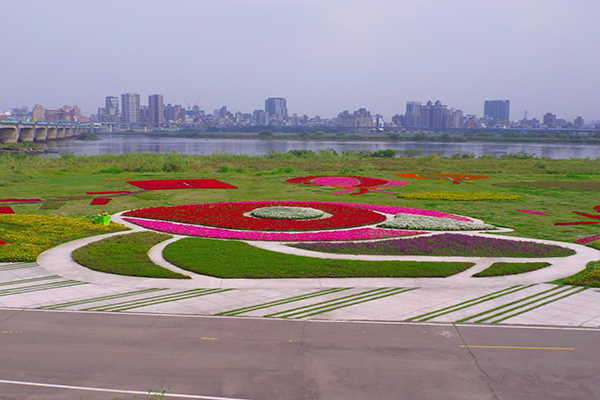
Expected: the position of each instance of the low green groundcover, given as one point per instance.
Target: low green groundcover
(125, 255)
(231, 259)
(508, 268)
(423, 222)
(590, 276)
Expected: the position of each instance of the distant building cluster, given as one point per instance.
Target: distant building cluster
(430, 116)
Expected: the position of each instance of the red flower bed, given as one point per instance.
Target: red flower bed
(2, 242)
(110, 192)
(20, 200)
(100, 201)
(6, 210)
(597, 208)
(168, 184)
(231, 215)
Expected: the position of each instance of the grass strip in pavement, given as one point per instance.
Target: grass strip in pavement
(467, 303)
(539, 305)
(36, 288)
(332, 302)
(512, 303)
(96, 299)
(149, 301)
(233, 259)
(325, 309)
(18, 265)
(509, 268)
(261, 306)
(125, 255)
(41, 278)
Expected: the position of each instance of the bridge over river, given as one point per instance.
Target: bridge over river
(13, 131)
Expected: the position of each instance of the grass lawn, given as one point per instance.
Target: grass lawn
(507, 268)
(590, 276)
(125, 255)
(231, 259)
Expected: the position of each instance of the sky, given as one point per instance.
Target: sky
(323, 56)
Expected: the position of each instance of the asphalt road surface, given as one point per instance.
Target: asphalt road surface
(90, 356)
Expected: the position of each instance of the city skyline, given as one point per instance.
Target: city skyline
(324, 56)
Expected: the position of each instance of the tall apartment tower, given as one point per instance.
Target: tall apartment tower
(276, 108)
(497, 110)
(156, 109)
(130, 107)
(412, 118)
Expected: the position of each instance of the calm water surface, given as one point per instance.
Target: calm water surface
(120, 144)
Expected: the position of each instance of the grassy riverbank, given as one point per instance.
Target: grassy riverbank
(262, 178)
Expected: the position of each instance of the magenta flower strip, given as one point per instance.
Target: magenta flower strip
(406, 210)
(588, 239)
(219, 233)
(533, 212)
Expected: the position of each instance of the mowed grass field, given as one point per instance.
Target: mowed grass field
(263, 178)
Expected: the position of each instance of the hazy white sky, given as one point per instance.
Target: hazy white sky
(324, 56)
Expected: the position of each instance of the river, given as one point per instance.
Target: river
(120, 144)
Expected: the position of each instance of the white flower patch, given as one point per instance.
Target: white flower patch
(279, 212)
(422, 222)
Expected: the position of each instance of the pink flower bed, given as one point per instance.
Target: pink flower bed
(99, 201)
(533, 212)
(219, 233)
(597, 208)
(20, 200)
(588, 239)
(406, 210)
(6, 210)
(349, 183)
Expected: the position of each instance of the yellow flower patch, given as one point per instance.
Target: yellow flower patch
(29, 235)
(459, 196)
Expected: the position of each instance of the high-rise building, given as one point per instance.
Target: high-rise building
(578, 122)
(497, 110)
(549, 120)
(112, 108)
(276, 109)
(130, 107)
(412, 118)
(38, 113)
(258, 117)
(156, 109)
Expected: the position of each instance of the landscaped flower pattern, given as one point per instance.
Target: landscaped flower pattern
(20, 200)
(407, 210)
(445, 245)
(2, 242)
(231, 215)
(422, 222)
(100, 201)
(459, 196)
(6, 210)
(588, 239)
(110, 192)
(454, 178)
(219, 233)
(533, 212)
(597, 208)
(169, 184)
(279, 212)
(349, 183)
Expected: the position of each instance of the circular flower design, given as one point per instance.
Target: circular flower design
(282, 212)
(231, 215)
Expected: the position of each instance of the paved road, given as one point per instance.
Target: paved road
(265, 359)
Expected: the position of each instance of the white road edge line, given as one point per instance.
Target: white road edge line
(136, 392)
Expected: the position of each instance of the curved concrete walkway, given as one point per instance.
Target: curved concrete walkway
(59, 261)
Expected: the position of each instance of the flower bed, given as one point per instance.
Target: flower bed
(2, 242)
(454, 178)
(408, 210)
(29, 235)
(278, 212)
(569, 185)
(445, 245)
(170, 184)
(421, 222)
(459, 196)
(588, 239)
(6, 210)
(110, 192)
(100, 201)
(218, 233)
(20, 200)
(231, 215)
(597, 208)
(350, 183)
(533, 212)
